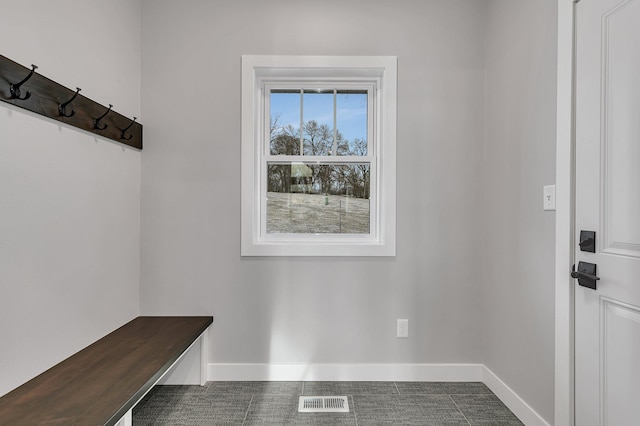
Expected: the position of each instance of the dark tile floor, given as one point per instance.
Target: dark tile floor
(370, 403)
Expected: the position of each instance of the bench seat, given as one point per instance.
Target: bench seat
(100, 384)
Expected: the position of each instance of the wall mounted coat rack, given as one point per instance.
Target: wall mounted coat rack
(25, 88)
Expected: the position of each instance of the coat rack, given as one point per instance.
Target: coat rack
(25, 88)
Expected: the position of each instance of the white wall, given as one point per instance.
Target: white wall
(519, 159)
(311, 310)
(69, 201)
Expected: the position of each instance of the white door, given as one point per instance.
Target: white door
(607, 320)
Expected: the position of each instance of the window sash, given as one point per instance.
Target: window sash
(304, 86)
(374, 225)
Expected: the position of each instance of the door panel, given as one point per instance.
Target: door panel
(620, 325)
(621, 129)
(607, 320)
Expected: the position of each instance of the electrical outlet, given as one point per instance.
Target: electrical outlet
(403, 328)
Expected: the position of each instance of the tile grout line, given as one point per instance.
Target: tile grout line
(458, 408)
(353, 403)
(247, 413)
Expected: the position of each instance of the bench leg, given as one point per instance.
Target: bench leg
(126, 420)
(204, 356)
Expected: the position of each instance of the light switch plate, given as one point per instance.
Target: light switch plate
(549, 197)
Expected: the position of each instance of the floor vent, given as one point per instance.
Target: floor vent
(323, 404)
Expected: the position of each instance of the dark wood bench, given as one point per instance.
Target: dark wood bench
(102, 383)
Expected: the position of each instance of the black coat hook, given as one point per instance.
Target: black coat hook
(122, 136)
(97, 120)
(15, 88)
(62, 107)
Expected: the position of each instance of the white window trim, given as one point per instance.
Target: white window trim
(255, 68)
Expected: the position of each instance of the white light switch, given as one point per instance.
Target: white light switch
(549, 194)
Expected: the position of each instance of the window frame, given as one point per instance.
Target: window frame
(267, 158)
(379, 74)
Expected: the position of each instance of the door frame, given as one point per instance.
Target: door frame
(565, 216)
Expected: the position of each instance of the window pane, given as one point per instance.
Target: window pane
(351, 121)
(318, 198)
(285, 122)
(318, 122)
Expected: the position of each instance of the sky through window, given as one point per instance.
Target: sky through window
(351, 111)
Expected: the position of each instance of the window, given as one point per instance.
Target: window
(318, 156)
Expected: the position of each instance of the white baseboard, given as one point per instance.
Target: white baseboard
(380, 372)
(347, 372)
(517, 405)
